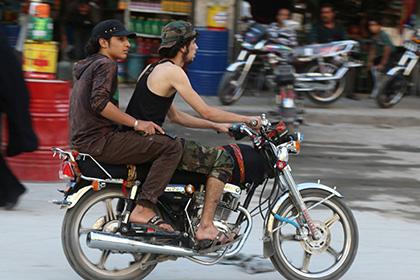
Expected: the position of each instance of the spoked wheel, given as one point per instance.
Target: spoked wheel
(96, 212)
(327, 257)
(328, 96)
(230, 90)
(392, 90)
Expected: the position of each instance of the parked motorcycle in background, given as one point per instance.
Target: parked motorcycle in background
(322, 78)
(395, 84)
(250, 64)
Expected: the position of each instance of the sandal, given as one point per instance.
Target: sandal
(208, 245)
(153, 223)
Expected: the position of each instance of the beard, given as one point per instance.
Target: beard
(186, 59)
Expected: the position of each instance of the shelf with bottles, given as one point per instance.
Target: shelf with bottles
(148, 27)
(169, 7)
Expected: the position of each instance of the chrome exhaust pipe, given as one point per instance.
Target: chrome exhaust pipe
(113, 242)
(107, 241)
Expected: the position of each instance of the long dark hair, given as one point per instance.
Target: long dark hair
(93, 46)
(172, 51)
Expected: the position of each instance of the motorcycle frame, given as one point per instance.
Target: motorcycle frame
(305, 82)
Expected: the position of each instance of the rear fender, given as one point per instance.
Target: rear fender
(268, 230)
(72, 200)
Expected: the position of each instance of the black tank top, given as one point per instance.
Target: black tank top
(147, 106)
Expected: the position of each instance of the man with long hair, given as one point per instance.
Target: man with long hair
(152, 100)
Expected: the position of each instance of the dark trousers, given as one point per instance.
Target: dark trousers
(132, 148)
(10, 187)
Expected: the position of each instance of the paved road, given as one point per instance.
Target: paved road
(375, 166)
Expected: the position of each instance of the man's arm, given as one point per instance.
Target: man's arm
(371, 57)
(385, 57)
(184, 119)
(113, 113)
(179, 80)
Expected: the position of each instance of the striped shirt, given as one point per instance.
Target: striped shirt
(283, 36)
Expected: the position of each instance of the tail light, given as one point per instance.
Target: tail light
(66, 171)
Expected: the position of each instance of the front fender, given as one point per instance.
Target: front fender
(235, 65)
(395, 70)
(72, 200)
(268, 230)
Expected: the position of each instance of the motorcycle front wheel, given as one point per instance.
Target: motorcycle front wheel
(96, 211)
(230, 90)
(391, 90)
(326, 97)
(328, 257)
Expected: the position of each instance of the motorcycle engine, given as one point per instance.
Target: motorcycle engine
(228, 203)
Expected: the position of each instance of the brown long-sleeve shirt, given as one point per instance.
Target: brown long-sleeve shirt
(96, 85)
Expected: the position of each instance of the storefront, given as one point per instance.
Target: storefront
(146, 17)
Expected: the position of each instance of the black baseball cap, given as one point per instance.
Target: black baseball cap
(111, 27)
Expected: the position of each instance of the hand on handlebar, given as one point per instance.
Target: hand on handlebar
(254, 123)
(223, 128)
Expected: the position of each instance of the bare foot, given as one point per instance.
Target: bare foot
(210, 233)
(142, 215)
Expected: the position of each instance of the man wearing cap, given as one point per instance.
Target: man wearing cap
(95, 120)
(152, 100)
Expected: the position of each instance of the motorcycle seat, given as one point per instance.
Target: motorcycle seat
(89, 168)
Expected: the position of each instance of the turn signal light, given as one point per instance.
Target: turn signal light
(95, 185)
(189, 189)
(297, 145)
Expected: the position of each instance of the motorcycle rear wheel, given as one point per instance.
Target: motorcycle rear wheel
(392, 90)
(229, 90)
(96, 211)
(330, 96)
(326, 258)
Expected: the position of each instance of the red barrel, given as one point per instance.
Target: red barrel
(49, 110)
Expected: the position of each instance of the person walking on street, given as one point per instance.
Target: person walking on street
(95, 120)
(152, 100)
(14, 104)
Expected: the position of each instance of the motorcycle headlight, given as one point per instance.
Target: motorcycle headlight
(283, 154)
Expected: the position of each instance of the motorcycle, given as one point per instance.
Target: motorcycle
(324, 78)
(324, 67)
(309, 232)
(395, 83)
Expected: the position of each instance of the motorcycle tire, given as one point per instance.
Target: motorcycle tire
(328, 257)
(331, 96)
(96, 211)
(392, 90)
(229, 91)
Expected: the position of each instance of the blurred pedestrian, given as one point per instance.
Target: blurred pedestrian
(80, 16)
(14, 102)
(381, 53)
(329, 30)
(279, 31)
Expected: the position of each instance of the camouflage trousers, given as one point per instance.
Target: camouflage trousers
(207, 160)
